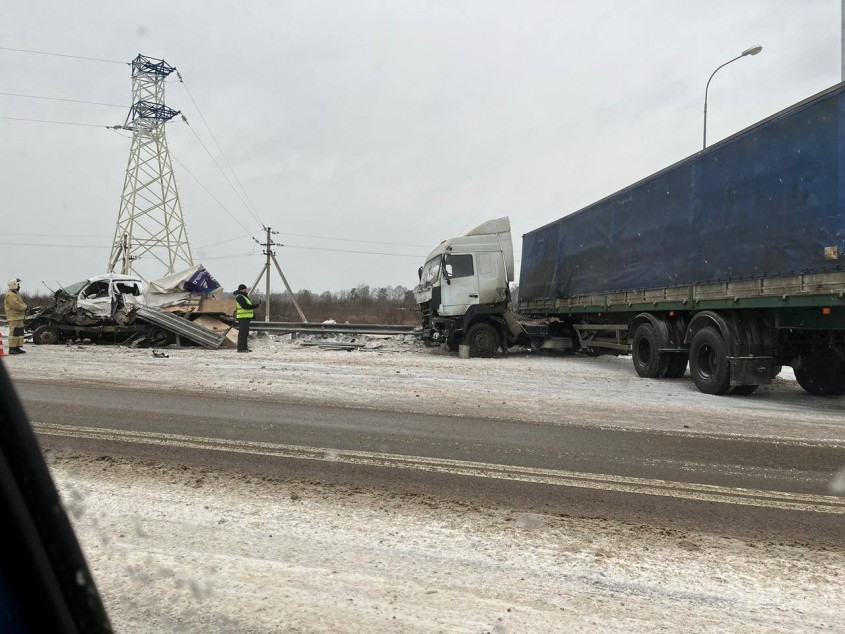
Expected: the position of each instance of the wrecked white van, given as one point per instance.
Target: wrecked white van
(98, 307)
(122, 309)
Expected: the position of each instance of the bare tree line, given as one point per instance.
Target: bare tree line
(359, 305)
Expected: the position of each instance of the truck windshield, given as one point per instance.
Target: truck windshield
(430, 272)
(73, 289)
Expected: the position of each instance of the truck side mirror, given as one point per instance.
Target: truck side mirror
(419, 273)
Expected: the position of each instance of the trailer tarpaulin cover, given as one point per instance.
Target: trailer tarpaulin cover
(193, 280)
(763, 203)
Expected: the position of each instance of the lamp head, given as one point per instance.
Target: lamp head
(752, 51)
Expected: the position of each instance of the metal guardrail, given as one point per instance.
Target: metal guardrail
(339, 329)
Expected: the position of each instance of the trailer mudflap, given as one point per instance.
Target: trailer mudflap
(751, 370)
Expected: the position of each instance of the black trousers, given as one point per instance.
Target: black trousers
(243, 333)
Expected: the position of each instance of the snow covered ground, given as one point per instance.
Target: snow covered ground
(176, 549)
(202, 551)
(398, 374)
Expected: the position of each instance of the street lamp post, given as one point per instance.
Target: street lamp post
(749, 51)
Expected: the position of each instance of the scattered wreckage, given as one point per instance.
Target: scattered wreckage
(113, 308)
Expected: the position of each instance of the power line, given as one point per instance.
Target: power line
(225, 158)
(398, 244)
(293, 246)
(231, 257)
(119, 133)
(398, 255)
(220, 169)
(214, 244)
(93, 103)
(52, 246)
(219, 257)
(226, 209)
(88, 125)
(182, 165)
(90, 59)
(469, 223)
(308, 235)
(53, 235)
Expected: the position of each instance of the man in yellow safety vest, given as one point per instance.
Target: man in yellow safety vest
(244, 314)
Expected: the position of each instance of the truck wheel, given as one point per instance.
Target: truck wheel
(743, 390)
(708, 361)
(483, 341)
(821, 374)
(677, 365)
(45, 335)
(648, 361)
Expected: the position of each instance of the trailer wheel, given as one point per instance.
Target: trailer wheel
(45, 335)
(708, 362)
(483, 341)
(649, 362)
(821, 374)
(677, 365)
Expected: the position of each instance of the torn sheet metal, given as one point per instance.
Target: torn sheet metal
(181, 326)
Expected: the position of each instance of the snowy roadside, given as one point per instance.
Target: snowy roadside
(179, 549)
(396, 374)
(174, 549)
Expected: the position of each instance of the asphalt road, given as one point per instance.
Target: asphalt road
(751, 488)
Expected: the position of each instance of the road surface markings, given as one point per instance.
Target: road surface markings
(606, 482)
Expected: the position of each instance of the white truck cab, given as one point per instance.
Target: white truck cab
(464, 278)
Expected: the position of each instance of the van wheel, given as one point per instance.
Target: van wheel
(483, 341)
(159, 337)
(821, 374)
(708, 361)
(45, 335)
(648, 361)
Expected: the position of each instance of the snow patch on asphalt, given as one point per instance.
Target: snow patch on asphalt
(178, 549)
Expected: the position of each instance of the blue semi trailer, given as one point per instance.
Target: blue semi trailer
(729, 261)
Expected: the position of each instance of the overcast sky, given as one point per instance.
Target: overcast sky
(381, 127)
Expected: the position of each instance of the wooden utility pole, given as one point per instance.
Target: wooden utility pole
(265, 272)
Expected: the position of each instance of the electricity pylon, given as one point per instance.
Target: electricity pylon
(150, 219)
